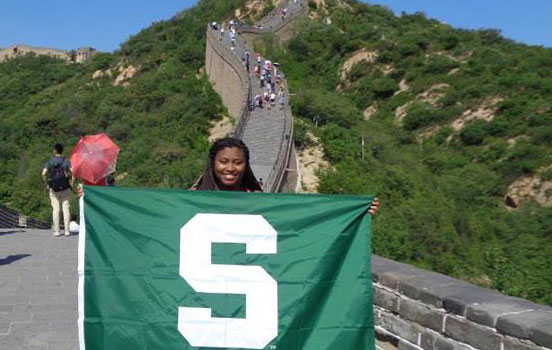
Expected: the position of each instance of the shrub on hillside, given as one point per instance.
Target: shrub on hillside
(299, 133)
(384, 87)
(101, 61)
(327, 108)
(443, 134)
(388, 56)
(498, 126)
(438, 64)
(474, 134)
(523, 158)
(420, 114)
(542, 134)
(448, 41)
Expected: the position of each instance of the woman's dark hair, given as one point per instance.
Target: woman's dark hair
(208, 180)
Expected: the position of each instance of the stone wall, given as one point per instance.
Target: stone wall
(291, 178)
(284, 30)
(285, 173)
(227, 74)
(10, 218)
(78, 55)
(418, 309)
(231, 81)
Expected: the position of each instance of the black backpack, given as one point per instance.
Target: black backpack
(58, 177)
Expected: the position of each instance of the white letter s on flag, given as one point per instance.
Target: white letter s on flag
(260, 325)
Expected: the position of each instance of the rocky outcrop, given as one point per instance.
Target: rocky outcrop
(311, 162)
(125, 74)
(530, 188)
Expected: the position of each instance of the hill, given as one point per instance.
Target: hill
(457, 130)
(450, 128)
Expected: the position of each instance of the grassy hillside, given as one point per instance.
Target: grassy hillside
(450, 118)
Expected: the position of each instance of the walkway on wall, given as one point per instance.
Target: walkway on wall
(267, 133)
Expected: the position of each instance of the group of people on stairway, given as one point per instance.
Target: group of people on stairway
(270, 79)
(232, 31)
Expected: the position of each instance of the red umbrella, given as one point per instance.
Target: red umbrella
(94, 157)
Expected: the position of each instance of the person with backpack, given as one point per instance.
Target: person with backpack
(58, 178)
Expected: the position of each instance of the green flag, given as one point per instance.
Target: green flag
(175, 270)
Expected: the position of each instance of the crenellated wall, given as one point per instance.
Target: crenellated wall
(418, 309)
(77, 56)
(10, 218)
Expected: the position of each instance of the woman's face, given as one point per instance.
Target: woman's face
(229, 167)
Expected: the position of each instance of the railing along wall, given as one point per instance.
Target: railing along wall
(277, 174)
(10, 218)
(295, 9)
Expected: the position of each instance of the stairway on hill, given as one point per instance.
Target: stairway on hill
(266, 131)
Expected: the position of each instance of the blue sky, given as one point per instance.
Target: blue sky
(105, 24)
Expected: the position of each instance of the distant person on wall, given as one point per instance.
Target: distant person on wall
(258, 101)
(273, 100)
(266, 97)
(281, 98)
(57, 177)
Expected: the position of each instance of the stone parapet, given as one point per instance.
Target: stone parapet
(78, 55)
(10, 218)
(273, 23)
(229, 78)
(419, 309)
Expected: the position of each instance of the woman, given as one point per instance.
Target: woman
(228, 169)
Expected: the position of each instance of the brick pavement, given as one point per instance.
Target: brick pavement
(38, 290)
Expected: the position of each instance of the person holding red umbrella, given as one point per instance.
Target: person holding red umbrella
(94, 160)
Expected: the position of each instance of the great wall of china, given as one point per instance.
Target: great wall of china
(78, 55)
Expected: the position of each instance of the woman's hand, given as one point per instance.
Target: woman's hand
(80, 191)
(374, 207)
